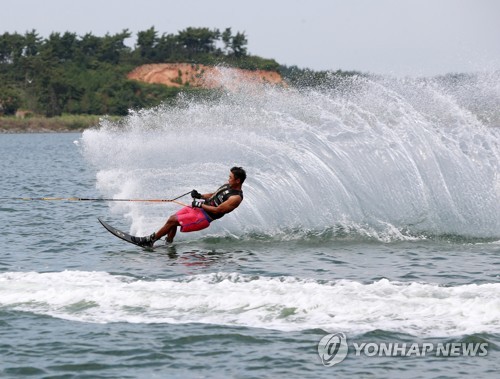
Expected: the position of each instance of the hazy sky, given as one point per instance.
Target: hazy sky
(398, 37)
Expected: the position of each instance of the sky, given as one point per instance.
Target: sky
(390, 37)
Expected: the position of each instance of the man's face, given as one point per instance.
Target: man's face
(232, 181)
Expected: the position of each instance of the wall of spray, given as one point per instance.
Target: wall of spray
(380, 157)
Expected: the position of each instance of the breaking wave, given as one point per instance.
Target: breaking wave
(280, 303)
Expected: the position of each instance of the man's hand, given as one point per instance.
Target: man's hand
(195, 194)
(197, 203)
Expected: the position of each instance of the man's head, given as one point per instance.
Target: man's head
(237, 173)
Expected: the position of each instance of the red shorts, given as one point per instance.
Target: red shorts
(193, 219)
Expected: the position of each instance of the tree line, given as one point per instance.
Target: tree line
(67, 73)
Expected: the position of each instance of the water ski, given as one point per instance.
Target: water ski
(120, 234)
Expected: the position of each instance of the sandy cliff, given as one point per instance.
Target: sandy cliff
(194, 75)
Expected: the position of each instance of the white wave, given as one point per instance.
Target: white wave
(281, 303)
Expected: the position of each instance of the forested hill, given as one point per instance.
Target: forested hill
(67, 73)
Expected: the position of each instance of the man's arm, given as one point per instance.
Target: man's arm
(227, 206)
(207, 196)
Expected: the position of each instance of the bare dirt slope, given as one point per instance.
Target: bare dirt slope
(194, 75)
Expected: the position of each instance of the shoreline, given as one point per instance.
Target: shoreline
(58, 124)
(40, 131)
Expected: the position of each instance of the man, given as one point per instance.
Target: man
(203, 210)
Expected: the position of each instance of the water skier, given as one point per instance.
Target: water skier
(203, 210)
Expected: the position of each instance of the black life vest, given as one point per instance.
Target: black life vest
(222, 194)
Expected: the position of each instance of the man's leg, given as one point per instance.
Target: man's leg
(171, 234)
(169, 229)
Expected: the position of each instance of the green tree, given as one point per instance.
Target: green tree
(10, 101)
(89, 47)
(4, 49)
(198, 41)
(59, 48)
(113, 47)
(11, 48)
(227, 37)
(146, 44)
(32, 43)
(238, 43)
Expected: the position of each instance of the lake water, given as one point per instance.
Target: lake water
(371, 211)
